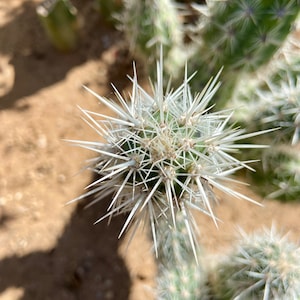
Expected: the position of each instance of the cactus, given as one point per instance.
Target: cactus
(274, 103)
(272, 100)
(180, 277)
(241, 36)
(147, 25)
(163, 153)
(262, 266)
(183, 281)
(59, 19)
(278, 175)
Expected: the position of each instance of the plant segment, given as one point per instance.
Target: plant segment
(263, 266)
(241, 36)
(179, 276)
(164, 153)
(274, 102)
(147, 25)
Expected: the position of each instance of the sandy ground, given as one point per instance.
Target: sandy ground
(50, 250)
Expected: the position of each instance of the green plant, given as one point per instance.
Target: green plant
(109, 9)
(277, 176)
(59, 19)
(262, 266)
(272, 100)
(164, 153)
(239, 35)
(179, 276)
(147, 25)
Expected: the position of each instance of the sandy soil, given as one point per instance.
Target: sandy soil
(50, 250)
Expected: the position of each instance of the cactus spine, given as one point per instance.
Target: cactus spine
(278, 175)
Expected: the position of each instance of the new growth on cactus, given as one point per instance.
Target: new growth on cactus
(164, 153)
(262, 266)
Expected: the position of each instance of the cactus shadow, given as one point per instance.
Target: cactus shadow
(36, 63)
(84, 264)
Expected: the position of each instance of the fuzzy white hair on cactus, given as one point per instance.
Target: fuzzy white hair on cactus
(164, 153)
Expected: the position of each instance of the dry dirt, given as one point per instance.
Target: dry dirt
(50, 250)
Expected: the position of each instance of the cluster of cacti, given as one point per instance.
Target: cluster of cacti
(240, 37)
(159, 163)
(166, 152)
(262, 266)
(272, 100)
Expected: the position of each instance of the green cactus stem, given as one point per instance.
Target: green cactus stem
(180, 277)
(262, 266)
(59, 19)
(164, 152)
(241, 36)
(149, 24)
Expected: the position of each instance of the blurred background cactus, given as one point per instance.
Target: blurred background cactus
(240, 36)
(261, 266)
(149, 24)
(60, 21)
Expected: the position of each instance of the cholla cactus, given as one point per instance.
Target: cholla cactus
(241, 36)
(183, 281)
(278, 175)
(272, 100)
(179, 276)
(163, 153)
(238, 35)
(275, 103)
(262, 266)
(147, 25)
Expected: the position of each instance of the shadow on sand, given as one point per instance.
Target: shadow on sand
(37, 64)
(84, 264)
